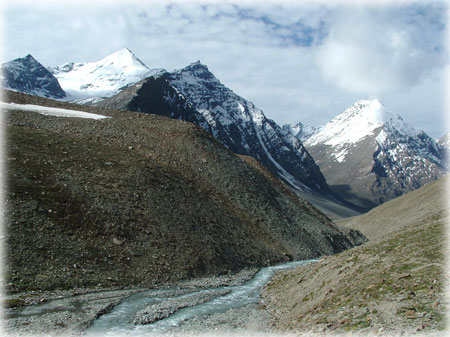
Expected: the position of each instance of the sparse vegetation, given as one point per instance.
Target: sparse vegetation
(393, 284)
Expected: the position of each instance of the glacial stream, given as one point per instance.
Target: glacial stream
(120, 321)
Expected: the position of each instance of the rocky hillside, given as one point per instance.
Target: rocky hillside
(394, 284)
(139, 199)
(414, 207)
(370, 155)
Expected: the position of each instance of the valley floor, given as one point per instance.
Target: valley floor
(391, 286)
(71, 312)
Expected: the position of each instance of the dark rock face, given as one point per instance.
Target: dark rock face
(155, 95)
(29, 76)
(141, 199)
(193, 94)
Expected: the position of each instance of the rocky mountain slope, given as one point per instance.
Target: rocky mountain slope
(369, 155)
(139, 199)
(194, 94)
(29, 76)
(92, 81)
(394, 284)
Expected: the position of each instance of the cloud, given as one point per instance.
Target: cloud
(296, 60)
(377, 49)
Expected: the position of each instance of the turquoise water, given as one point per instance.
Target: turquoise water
(118, 322)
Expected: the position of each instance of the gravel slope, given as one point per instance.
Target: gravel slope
(394, 284)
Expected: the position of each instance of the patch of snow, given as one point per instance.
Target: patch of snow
(43, 110)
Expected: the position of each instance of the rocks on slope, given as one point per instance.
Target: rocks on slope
(139, 199)
(29, 76)
(193, 94)
(369, 155)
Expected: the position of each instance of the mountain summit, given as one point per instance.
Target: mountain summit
(29, 76)
(364, 118)
(369, 155)
(102, 78)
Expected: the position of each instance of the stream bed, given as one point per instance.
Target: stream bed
(124, 318)
(198, 305)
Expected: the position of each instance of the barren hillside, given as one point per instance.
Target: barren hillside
(393, 284)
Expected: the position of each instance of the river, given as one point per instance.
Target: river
(199, 305)
(179, 307)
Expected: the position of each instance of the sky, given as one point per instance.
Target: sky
(302, 61)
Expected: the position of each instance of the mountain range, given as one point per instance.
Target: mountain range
(195, 95)
(361, 158)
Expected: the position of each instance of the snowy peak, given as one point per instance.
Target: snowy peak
(196, 72)
(372, 110)
(364, 118)
(195, 95)
(444, 141)
(244, 128)
(123, 59)
(103, 78)
(374, 155)
(29, 76)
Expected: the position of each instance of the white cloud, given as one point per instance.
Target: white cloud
(370, 51)
(295, 60)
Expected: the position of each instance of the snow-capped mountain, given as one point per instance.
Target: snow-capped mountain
(103, 78)
(445, 141)
(369, 154)
(29, 76)
(301, 131)
(194, 94)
